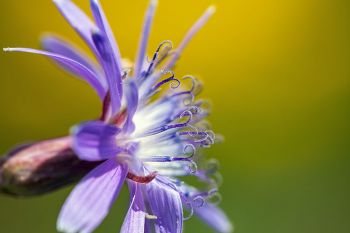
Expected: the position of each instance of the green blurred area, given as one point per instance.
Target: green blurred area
(277, 73)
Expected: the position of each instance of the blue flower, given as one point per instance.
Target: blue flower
(148, 135)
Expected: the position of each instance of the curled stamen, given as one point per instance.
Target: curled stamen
(194, 132)
(175, 83)
(198, 135)
(142, 179)
(179, 114)
(184, 114)
(193, 168)
(178, 125)
(164, 53)
(191, 211)
(196, 85)
(188, 162)
(190, 150)
(188, 114)
(203, 136)
(207, 139)
(195, 109)
(211, 136)
(214, 197)
(198, 201)
(163, 128)
(155, 56)
(201, 133)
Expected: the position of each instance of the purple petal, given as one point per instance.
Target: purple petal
(78, 20)
(59, 46)
(214, 217)
(148, 226)
(74, 66)
(102, 23)
(95, 141)
(111, 69)
(90, 201)
(166, 205)
(132, 97)
(135, 218)
(114, 66)
(145, 36)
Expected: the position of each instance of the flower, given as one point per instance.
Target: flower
(149, 133)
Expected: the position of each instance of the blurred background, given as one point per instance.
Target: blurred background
(277, 73)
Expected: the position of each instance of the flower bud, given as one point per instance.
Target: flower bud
(41, 167)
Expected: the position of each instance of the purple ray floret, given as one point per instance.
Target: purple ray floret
(148, 136)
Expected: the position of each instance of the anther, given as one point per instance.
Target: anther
(151, 217)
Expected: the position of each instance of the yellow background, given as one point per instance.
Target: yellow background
(277, 72)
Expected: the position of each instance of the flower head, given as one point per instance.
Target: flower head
(149, 133)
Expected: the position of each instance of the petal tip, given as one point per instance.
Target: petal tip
(95, 2)
(211, 9)
(230, 228)
(154, 2)
(58, 1)
(63, 227)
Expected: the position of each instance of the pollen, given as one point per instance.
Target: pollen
(151, 217)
